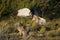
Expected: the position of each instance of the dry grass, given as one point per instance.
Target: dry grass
(8, 29)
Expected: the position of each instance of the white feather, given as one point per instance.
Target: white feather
(39, 20)
(42, 21)
(23, 12)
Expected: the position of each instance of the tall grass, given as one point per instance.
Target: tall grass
(8, 30)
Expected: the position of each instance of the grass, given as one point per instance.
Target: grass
(8, 30)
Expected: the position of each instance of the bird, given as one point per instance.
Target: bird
(24, 12)
(39, 20)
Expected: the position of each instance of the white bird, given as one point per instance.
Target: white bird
(42, 21)
(23, 12)
(39, 20)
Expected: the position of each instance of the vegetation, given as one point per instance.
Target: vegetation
(50, 9)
